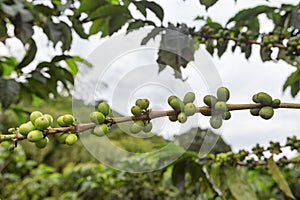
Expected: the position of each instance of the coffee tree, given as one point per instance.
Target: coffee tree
(219, 176)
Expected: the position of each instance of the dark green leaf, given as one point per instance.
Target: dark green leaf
(116, 23)
(23, 23)
(138, 24)
(154, 32)
(251, 13)
(3, 29)
(222, 46)
(265, 53)
(140, 7)
(154, 7)
(178, 174)
(213, 176)
(208, 3)
(279, 178)
(238, 185)
(248, 51)
(109, 10)
(29, 56)
(293, 81)
(78, 27)
(9, 90)
(195, 170)
(66, 36)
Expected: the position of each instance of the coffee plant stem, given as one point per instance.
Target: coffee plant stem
(81, 127)
(278, 45)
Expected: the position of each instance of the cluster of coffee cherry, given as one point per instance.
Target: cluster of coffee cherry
(218, 106)
(140, 108)
(184, 108)
(266, 110)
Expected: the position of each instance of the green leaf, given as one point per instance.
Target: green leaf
(178, 174)
(72, 66)
(78, 27)
(88, 6)
(7, 65)
(238, 185)
(138, 24)
(279, 178)
(293, 81)
(251, 13)
(29, 56)
(208, 3)
(265, 53)
(140, 7)
(9, 90)
(100, 25)
(66, 36)
(154, 32)
(109, 10)
(154, 7)
(3, 29)
(213, 175)
(248, 50)
(116, 23)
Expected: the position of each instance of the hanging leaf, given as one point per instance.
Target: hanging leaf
(178, 174)
(3, 29)
(154, 32)
(29, 56)
(265, 53)
(154, 7)
(238, 185)
(138, 24)
(9, 90)
(279, 178)
(293, 81)
(208, 3)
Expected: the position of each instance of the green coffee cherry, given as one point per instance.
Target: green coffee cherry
(173, 118)
(266, 112)
(190, 109)
(62, 138)
(182, 117)
(148, 127)
(276, 103)
(255, 99)
(25, 128)
(142, 103)
(71, 139)
(216, 121)
(41, 123)
(97, 117)
(34, 136)
(100, 130)
(34, 115)
(226, 115)
(104, 108)
(210, 100)
(137, 126)
(68, 119)
(60, 121)
(189, 97)
(254, 111)
(221, 107)
(264, 99)
(42, 143)
(136, 110)
(223, 94)
(171, 98)
(49, 117)
(11, 130)
(177, 104)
